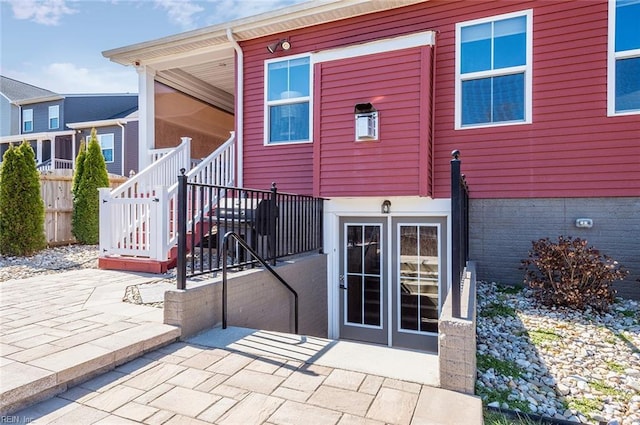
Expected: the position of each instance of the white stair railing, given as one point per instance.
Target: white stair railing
(216, 169)
(139, 218)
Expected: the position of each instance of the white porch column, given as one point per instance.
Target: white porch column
(146, 116)
(39, 151)
(53, 152)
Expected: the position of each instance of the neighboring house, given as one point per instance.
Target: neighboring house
(118, 138)
(52, 123)
(363, 102)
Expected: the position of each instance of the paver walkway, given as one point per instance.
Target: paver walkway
(185, 383)
(55, 330)
(58, 330)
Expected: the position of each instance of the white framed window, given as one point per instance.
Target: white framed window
(54, 117)
(27, 120)
(107, 145)
(494, 71)
(287, 113)
(623, 65)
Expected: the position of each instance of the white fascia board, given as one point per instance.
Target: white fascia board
(35, 100)
(426, 38)
(18, 138)
(99, 123)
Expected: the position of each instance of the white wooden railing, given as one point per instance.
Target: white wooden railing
(139, 218)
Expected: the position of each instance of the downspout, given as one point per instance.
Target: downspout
(433, 113)
(239, 111)
(119, 123)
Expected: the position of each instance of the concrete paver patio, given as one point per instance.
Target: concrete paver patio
(58, 331)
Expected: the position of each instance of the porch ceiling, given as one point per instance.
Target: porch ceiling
(201, 62)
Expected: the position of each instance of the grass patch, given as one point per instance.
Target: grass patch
(502, 396)
(585, 406)
(615, 367)
(497, 309)
(540, 336)
(622, 337)
(627, 313)
(503, 367)
(610, 391)
(506, 289)
(497, 418)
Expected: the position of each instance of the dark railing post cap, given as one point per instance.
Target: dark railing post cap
(273, 185)
(455, 154)
(183, 170)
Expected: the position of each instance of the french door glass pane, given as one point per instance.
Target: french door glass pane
(419, 278)
(363, 275)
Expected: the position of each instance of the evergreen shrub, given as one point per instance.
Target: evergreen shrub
(21, 205)
(86, 201)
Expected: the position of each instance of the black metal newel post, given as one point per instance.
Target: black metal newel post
(182, 230)
(456, 233)
(273, 215)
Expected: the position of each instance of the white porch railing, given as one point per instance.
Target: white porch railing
(139, 218)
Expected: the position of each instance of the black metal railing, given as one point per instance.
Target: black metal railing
(459, 230)
(273, 224)
(225, 243)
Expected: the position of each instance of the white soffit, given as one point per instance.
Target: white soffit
(214, 38)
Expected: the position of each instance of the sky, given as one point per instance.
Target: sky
(57, 44)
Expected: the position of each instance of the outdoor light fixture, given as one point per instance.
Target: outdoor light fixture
(386, 206)
(283, 44)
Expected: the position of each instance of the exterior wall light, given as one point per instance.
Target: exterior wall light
(283, 44)
(366, 122)
(386, 207)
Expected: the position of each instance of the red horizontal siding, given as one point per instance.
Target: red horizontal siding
(391, 82)
(571, 149)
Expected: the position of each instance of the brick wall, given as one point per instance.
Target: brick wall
(501, 231)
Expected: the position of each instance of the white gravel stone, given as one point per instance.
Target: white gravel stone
(579, 360)
(49, 261)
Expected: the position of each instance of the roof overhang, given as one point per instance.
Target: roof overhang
(38, 100)
(201, 62)
(48, 135)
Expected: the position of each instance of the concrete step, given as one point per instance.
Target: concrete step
(25, 383)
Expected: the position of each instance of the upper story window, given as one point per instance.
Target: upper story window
(493, 70)
(107, 145)
(287, 100)
(54, 117)
(27, 120)
(624, 57)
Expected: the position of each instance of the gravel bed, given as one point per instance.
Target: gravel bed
(49, 261)
(583, 367)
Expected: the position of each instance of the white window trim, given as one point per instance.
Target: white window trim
(56, 115)
(528, 72)
(113, 146)
(25, 120)
(267, 103)
(612, 57)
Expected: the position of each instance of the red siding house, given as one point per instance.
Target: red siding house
(363, 102)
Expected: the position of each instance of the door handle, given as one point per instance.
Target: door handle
(341, 286)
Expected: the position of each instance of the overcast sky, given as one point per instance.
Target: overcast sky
(57, 44)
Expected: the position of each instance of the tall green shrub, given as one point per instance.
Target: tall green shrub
(77, 174)
(21, 205)
(86, 202)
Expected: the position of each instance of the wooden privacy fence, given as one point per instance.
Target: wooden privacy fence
(55, 189)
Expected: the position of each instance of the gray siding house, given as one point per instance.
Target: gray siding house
(55, 124)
